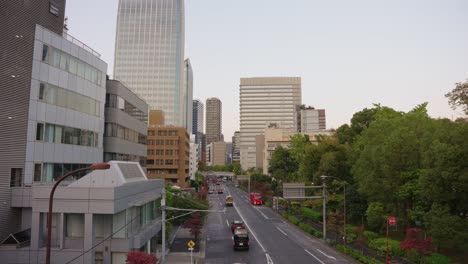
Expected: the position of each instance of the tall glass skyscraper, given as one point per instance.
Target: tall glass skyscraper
(149, 53)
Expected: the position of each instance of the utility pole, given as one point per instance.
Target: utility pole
(324, 212)
(163, 227)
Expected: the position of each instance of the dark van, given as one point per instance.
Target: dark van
(240, 240)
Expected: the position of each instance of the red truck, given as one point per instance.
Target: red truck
(256, 198)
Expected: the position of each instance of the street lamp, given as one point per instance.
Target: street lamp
(323, 177)
(96, 166)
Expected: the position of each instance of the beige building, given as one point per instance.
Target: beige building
(312, 120)
(266, 100)
(168, 151)
(216, 153)
(213, 120)
(275, 137)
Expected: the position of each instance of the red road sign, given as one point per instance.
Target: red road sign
(392, 220)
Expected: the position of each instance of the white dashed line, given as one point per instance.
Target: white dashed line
(284, 233)
(314, 256)
(227, 223)
(268, 258)
(330, 257)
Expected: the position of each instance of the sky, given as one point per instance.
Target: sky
(349, 54)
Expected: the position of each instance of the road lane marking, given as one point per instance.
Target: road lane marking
(268, 258)
(284, 233)
(331, 257)
(227, 223)
(314, 256)
(266, 217)
(251, 230)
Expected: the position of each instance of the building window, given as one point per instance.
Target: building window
(16, 175)
(45, 53)
(40, 131)
(74, 225)
(37, 172)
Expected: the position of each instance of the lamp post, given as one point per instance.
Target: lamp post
(96, 166)
(323, 177)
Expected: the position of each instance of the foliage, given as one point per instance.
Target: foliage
(237, 169)
(138, 257)
(415, 242)
(201, 165)
(226, 167)
(199, 177)
(371, 235)
(293, 219)
(375, 217)
(195, 224)
(357, 255)
(436, 258)
(458, 97)
(311, 214)
(307, 228)
(380, 244)
(351, 233)
(282, 165)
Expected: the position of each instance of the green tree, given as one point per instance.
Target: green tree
(458, 97)
(375, 216)
(283, 166)
(237, 169)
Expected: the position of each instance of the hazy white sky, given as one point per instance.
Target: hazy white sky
(349, 54)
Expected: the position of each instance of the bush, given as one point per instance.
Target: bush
(437, 259)
(351, 234)
(307, 228)
(311, 214)
(293, 219)
(267, 204)
(371, 235)
(357, 255)
(380, 244)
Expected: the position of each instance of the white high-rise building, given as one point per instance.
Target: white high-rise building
(263, 101)
(194, 157)
(188, 96)
(149, 54)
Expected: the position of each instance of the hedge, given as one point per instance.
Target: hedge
(311, 214)
(357, 255)
(380, 244)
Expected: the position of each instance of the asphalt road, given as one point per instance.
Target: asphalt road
(272, 240)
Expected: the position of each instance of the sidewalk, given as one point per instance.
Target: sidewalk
(179, 252)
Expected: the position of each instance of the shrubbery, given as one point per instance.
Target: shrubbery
(371, 235)
(357, 255)
(380, 244)
(311, 214)
(293, 219)
(437, 259)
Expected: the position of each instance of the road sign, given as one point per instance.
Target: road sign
(191, 244)
(392, 221)
(293, 190)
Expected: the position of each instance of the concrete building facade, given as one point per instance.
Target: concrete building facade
(265, 100)
(312, 120)
(96, 219)
(194, 157)
(126, 124)
(236, 147)
(188, 96)
(213, 120)
(18, 50)
(216, 153)
(168, 152)
(149, 54)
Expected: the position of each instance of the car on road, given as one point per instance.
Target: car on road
(236, 185)
(220, 190)
(229, 200)
(240, 239)
(210, 191)
(237, 225)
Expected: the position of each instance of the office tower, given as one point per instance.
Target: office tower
(213, 120)
(312, 119)
(263, 101)
(168, 151)
(126, 124)
(228, 152)
(194, 157)
(149, 54)
(198, 120)
(188, 96)
(236, 147)
(45, 129)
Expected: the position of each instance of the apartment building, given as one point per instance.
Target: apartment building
(126, 124)
(213, 120)
(311, 119)
(168, 151)
(216, 153)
